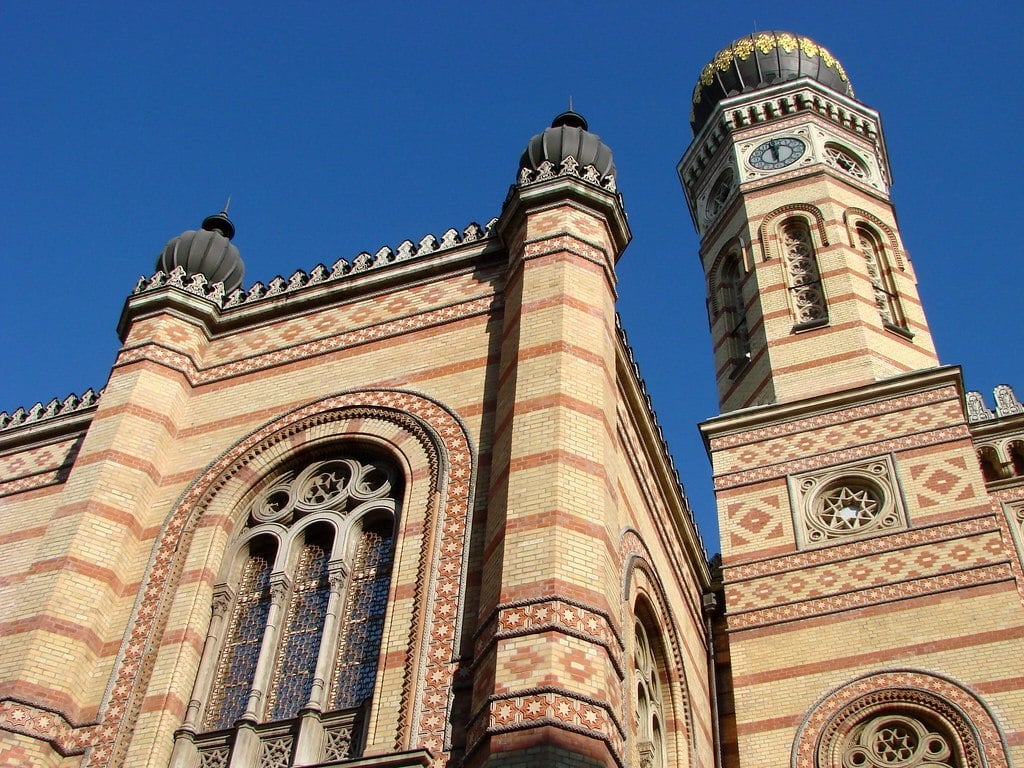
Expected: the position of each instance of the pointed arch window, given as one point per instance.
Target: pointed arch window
(807, 295)
(305, 600)
(880, 274)
(649, 705)
(735, 310)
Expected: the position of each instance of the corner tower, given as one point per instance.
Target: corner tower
(787, 181)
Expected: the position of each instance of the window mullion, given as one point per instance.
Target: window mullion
(337, 576)
(280, 586)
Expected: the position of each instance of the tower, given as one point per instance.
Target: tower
(857, 532)
(788, 183)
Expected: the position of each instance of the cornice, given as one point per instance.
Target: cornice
(763, 415)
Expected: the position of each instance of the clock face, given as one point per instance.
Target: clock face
(777, 153)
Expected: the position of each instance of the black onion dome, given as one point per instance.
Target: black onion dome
(760, 60)
(568, 137)
(207, 251)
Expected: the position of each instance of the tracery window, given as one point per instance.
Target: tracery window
(806, 293)
(649, 706)
(735, 310)
(298, 622)
(880, 275)
(719, 194)
(903, 739)
(845, 161)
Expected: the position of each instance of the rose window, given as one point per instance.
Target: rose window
(844, 161)
(896, 741)
(860, 499)
(849, 508)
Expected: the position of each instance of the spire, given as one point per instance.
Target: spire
(219, 222)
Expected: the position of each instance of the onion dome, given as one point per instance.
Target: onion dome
(760, 60)
(207, 251)
(568, 137)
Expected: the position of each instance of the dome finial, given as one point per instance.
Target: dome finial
(570, 119)
(219, 222)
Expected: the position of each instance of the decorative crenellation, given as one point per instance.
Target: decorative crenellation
(1007, 404)
(568, 167)
(631, 359)
(407, 250)
(71, 404)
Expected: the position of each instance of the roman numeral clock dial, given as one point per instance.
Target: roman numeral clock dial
(777, 153)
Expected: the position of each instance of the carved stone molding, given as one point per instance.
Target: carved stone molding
(425, 695)
(976, 730)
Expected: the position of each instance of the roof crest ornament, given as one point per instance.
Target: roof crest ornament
(53, 409)
(216, 292)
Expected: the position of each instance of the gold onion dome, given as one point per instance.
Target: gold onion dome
(758, 61)
(207, 251)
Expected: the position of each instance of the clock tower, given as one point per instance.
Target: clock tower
(809, 287)
(856, 529)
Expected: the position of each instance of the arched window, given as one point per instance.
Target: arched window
(904, 738)
(899, 718)
(1016, 451)
(880, 275)
(735, 310)
(991, 467)
(806, 293)
(301, 617)
(649, 714)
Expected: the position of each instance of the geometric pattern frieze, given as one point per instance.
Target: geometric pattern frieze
(198, 376)
(942, 483)
(894, 445)
(36, 460)
(550, 706)
(553, 614)
(929, 585)
(840, 416)
(754, 520)
(893, 542)
(908, 564)
(343, 319)
(832, 437)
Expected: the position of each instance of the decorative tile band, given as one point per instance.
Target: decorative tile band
(873, 596)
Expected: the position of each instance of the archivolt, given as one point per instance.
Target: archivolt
(836, 713)
(442, 442)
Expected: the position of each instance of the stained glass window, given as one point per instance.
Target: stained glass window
(244, 638)
(356, 667)
(303, 630)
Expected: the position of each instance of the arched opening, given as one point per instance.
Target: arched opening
(806, 293)
(1016, 451)
(991, 467)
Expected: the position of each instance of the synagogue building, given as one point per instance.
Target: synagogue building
(414, 509)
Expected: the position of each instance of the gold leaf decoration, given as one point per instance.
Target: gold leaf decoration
(743, 48)
(765, 43)
(808, 46)
(707, 76)
(724, 59)
(787, 42)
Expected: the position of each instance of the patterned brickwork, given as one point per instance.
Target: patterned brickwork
(198, 376)
(978, 732)
(37, 467)
(886, 569)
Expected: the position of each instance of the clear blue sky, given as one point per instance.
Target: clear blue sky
(341, 127)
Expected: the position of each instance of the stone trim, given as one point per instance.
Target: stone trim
(979, 734)
(426, 689)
